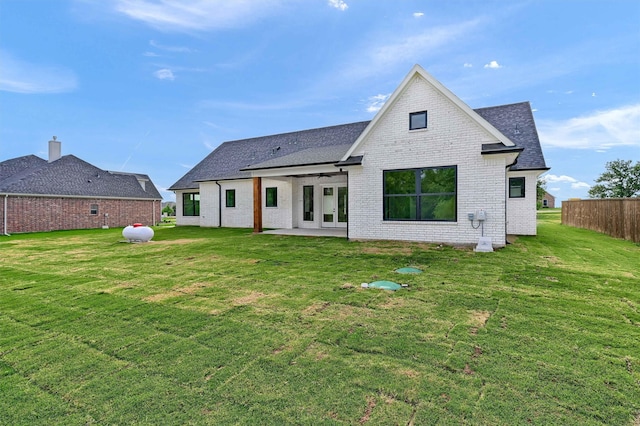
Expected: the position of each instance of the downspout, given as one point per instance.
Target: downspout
(219, 205)
(5, 215)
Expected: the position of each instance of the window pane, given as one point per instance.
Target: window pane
(272, 197)
(191, 204)
(308, 202)
(436, 181)
(342, 204)
(400, 208)
(418, 120)
(231, 197)
(516, 187)
(400, 182)
(438, 207)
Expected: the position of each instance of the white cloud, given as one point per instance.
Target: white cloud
(376, 102)
(418, 14)
(599, 130)
(493, 65)
(580, 185)
(468, 65)
(338, 4)
(19, 76)
(164, 74)
(150, 54)
(575, 184)
(196, 15)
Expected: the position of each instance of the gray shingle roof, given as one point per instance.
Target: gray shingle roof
(230, 159)
(71, 176)
(235, 159)
(306, 157)
(515, 121)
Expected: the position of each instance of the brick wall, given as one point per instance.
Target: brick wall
(451, 139)
(38, 214)
(521, 212)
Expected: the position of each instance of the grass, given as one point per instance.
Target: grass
(220, 326)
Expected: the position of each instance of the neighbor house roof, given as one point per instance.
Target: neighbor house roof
(327, 145)
(71, 176)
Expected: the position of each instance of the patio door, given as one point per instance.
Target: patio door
(334, 206)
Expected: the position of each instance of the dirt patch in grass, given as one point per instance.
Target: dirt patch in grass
(394, 303)
(177, 292)
(248, 299)
(478, 320)
(371, 403)
(316, 308)
(412, 374)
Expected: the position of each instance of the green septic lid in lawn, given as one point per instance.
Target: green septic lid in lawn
(385, 285)
(409, 271)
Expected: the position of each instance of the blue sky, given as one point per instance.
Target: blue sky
(152, 86)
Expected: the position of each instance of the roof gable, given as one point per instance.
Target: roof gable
(417, 70)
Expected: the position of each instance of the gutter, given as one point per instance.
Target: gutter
(219, 205)
(6, 196)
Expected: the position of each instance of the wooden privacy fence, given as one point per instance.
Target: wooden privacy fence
(618, 217)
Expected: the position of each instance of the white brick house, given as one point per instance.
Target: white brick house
(415, 172)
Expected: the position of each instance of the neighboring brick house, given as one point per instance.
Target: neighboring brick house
(426, 168)
(548, 201)
(68, 193)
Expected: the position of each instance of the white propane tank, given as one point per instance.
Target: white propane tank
(137, 233)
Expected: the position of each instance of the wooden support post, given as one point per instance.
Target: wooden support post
(257, 204)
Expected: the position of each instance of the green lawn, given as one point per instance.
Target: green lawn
(220, 326)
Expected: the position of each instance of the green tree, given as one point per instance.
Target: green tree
(169, 210)
(541, 188)
(620, 180)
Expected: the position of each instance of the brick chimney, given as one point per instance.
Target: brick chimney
(55, 150)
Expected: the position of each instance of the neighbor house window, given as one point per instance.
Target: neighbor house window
(307, 200)
(94, 209)
(272, 197)
(418, 120)
(230, 197)
(516, 187)
(191, 204)
(421, 194)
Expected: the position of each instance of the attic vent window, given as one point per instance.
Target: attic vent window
(418, 120)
